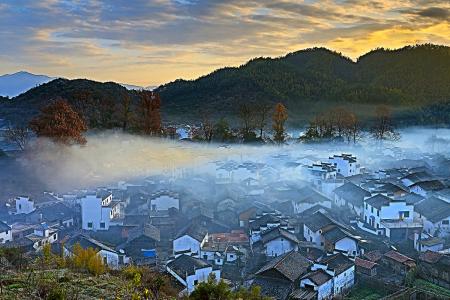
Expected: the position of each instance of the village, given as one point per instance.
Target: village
(298, 225)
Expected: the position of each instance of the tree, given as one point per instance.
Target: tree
(247, 117)
(222, 131)
(59, 122)
(150, 104)
(263, 110)
(383, 128)
(20, 136)
(125, 110)
(207, 126)
(351, 128)
(279, 118)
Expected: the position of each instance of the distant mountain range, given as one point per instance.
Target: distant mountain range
(15, 84)
(12, 85)
(307, 82)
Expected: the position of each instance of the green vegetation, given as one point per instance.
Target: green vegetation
(365, 293)
(432, 288)
(412, 80)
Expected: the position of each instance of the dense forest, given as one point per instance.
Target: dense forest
(414, 81)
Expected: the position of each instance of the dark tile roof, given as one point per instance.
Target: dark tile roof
(54, 212)
(86, 242)
(391, 188)
(272, 287)
(276, 232)
(434, 209)
(378, 201)
(374, 255)
(318, 221)
(352, 193)
(366, 264)
(264, 220)
(336, 234)
(411, 198)
(290, 265)
(195, 231)
(337, 262)
(397, 256)
(186, 265)
(430, 185)
(303, 294)
(318, 277)
(418, 176)
(4, 227)
(430, 257)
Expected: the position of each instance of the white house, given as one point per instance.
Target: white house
(109, 256)
(5, 233)
(345, 164)
(351, 196)
(313, 227)
(386, 216)
(43, 235)
(424, 242)
(263, 222)
(190, 271)
(98, 210)
(307, 197)
(190, 241)
(163, 200)
(337, 240)
(341, 269)
(24, 205)
(435, 215)
(278, 241)
(319, 281)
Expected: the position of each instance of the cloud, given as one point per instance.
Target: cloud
(99, 38)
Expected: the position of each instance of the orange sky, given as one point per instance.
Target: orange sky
(152, 42)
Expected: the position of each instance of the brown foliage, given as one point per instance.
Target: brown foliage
(150, 104)
(59, 122)
(279, 118)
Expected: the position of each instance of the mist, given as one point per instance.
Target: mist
(110, 157)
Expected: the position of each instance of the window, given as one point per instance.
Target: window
(20, 206)
(444, 222)
(102, 225)
(371, 209)
(195, 282)
(89, 225)
(54, 236)
(406, 214)
(310, 238)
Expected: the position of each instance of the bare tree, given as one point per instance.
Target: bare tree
(20, 136)
(262, 110)
(247, 117)
(383, 128)
(207, 126)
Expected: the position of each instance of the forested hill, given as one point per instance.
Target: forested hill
(416, 75)
(307, 82)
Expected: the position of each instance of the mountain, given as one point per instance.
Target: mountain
(15, 84)
(309, 81)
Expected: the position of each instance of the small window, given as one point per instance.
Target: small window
(195, 282)
(102, 225)
(89, 225)
(20, 206)
(444, 222)
(54, 236)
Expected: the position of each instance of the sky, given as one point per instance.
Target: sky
(151, 42)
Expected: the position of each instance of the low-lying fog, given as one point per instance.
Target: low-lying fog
(111, 157)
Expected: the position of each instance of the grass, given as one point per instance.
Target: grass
(364, 293)
(431, 287)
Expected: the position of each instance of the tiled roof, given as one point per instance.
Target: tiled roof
(397, 256)
(318, 221)
(366, 264)
(378, 201)
(434, 209)
(185, 265)
(276, 232)
(338, 262)
(352, 193)
(430, 257)
(319, 277)
(290, 265)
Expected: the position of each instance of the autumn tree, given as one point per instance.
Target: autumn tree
(222, 131)
(125, 111)
(382, 128)
(150, 105)
(19, 136)
(279, 119)
(59, 122)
